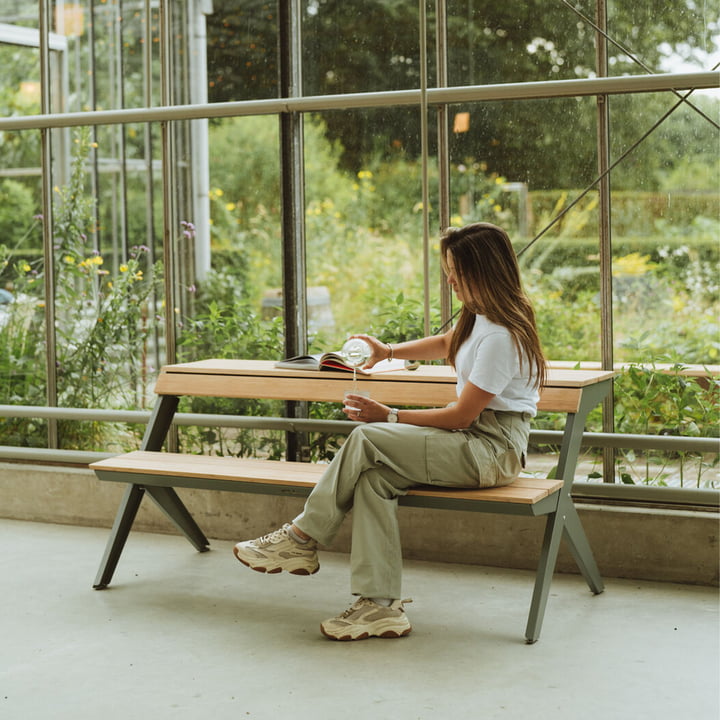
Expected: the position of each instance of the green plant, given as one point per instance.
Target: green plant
(103, 320)
(226, 326)
(649, 401)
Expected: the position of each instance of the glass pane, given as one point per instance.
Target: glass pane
(364, 234)
(110, 55)
(511, 165)
(242, 41)
(234, 310)
(663, 36)
(666, 295)
(242, 289)
(494, 43)
(108, 298)
(22, 292)
(666, 223)
(20, 13)
(365, 46)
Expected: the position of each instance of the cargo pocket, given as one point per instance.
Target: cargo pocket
(497, 460)
(451, 461)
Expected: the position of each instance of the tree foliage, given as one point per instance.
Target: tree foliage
(374, 46)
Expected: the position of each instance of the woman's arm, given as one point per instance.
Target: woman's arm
(472, 401)
(434, 347)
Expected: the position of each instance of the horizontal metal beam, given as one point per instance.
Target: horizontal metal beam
(671, 443)
(320, 103)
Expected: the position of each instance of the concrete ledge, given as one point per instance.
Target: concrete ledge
(629, 542)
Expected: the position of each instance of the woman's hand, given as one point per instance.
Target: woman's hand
(379, 350)
(365, 409)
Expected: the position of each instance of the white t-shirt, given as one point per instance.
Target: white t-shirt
(490, 360)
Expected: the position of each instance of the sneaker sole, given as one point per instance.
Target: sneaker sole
(389, 633)
(274, 570)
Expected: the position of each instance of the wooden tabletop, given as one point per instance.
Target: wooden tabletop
(557, 377)
(429, 385)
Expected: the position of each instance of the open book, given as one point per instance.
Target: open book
(335, 361)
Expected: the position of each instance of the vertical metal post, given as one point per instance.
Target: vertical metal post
(441, 50)
(167, 149)
(168, 197)
(424, 152)
(92, 87)
(148, 150)
(293, 203)
(606, 299)
(47, 229)
(121, 131)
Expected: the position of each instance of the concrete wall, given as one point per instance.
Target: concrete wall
(629, 542)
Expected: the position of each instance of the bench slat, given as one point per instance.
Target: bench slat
(525, 490)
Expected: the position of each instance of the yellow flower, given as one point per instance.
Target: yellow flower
(632, 264)
(230, 206)
(69, 259)
(123, 268)
(25, 267)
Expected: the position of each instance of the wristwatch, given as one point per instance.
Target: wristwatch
(392, 415)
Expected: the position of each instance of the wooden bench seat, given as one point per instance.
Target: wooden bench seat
(156, 473)
(163, 469)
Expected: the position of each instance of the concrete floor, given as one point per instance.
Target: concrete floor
(186, 635)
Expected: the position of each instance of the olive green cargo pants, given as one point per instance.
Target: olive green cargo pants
(381, 461)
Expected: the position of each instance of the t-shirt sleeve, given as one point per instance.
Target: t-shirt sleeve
(495, 363)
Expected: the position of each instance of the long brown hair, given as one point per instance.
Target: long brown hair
(488, 275)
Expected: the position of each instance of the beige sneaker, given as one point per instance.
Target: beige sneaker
(279, 551)
(365, 619)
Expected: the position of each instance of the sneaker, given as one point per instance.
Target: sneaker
(365, 619)
(279, 551)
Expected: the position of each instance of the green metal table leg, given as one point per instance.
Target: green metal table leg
(168, 501)
(118, 535)
(543, 577)
(581, 550)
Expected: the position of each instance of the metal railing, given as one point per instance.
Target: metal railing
(603, 492)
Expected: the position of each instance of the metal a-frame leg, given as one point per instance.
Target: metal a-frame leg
(577, 541)
(168, 501)
(118, 535)
(546, 567)
(564, 522)
(154, 437)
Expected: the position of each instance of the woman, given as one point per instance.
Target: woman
(478, 441)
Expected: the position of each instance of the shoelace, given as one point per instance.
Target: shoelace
(273, 537)
(367, 601)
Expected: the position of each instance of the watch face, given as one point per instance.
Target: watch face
(392, 416)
